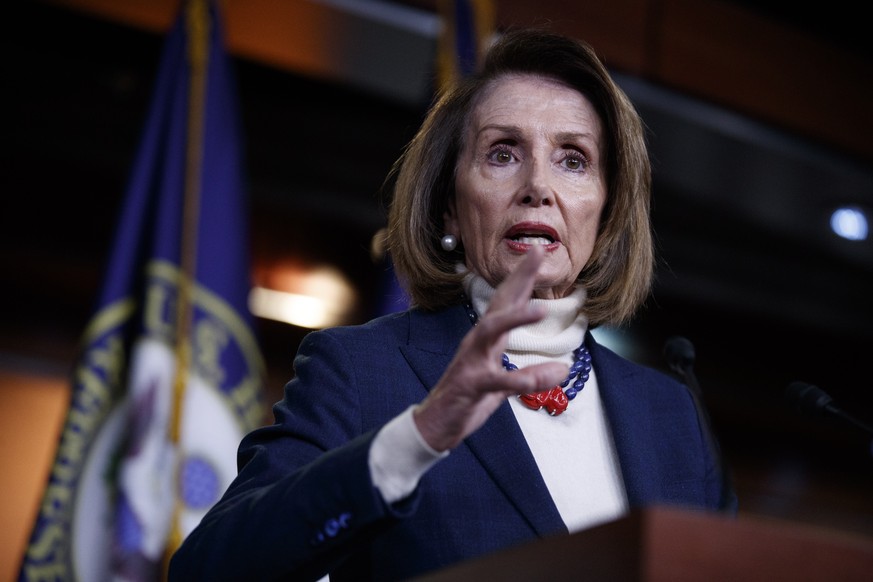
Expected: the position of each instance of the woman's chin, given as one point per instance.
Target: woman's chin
(553, 290)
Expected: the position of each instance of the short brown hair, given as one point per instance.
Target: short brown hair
(619, 273)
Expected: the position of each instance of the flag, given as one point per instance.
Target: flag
(169, 376)
(468, 27)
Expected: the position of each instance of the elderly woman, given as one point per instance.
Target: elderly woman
(487, 416)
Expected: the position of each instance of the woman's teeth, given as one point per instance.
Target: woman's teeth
(533, 240)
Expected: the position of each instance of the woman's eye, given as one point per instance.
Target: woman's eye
(574, 162)
(501, 155)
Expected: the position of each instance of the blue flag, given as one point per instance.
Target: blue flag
(468, 27)
(170, 376)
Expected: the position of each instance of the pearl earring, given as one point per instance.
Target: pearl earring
(449, 242)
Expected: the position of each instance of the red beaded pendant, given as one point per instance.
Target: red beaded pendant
(554, 401)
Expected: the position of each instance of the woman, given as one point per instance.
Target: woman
(487, 416)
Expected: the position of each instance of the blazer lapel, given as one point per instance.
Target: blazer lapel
(623, 393)
(502, 449)
(499, 444)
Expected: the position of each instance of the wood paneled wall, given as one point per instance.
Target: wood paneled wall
(716, 50)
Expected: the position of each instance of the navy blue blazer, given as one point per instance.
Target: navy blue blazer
(304, 504)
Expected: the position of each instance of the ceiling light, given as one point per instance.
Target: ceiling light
(314, 299)
(849, 222)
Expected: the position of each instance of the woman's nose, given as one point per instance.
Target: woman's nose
(536, 190)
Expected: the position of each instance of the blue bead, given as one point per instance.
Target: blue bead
(579, 369)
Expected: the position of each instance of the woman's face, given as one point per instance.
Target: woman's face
(529, 173)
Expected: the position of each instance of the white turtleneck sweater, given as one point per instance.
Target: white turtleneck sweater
(574, 450)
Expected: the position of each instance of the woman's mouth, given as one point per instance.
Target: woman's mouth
(526, 234)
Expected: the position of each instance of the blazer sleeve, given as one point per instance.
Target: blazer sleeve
(303, 495)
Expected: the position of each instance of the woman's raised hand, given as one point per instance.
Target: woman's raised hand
(475, 383)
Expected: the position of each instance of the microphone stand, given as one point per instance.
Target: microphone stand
(680, 355)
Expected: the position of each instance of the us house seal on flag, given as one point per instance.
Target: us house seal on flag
(133, 481)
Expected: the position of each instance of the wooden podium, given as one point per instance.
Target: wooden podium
(663, 544)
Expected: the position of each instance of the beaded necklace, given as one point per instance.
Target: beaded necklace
(554, 400)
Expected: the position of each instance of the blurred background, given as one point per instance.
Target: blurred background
(759, 124)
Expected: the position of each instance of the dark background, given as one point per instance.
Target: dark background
(747, 268)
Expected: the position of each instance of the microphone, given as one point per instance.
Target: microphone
(810, 400)
(679, 352)
(680, 355)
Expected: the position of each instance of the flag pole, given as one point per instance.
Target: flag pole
(198, 28)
